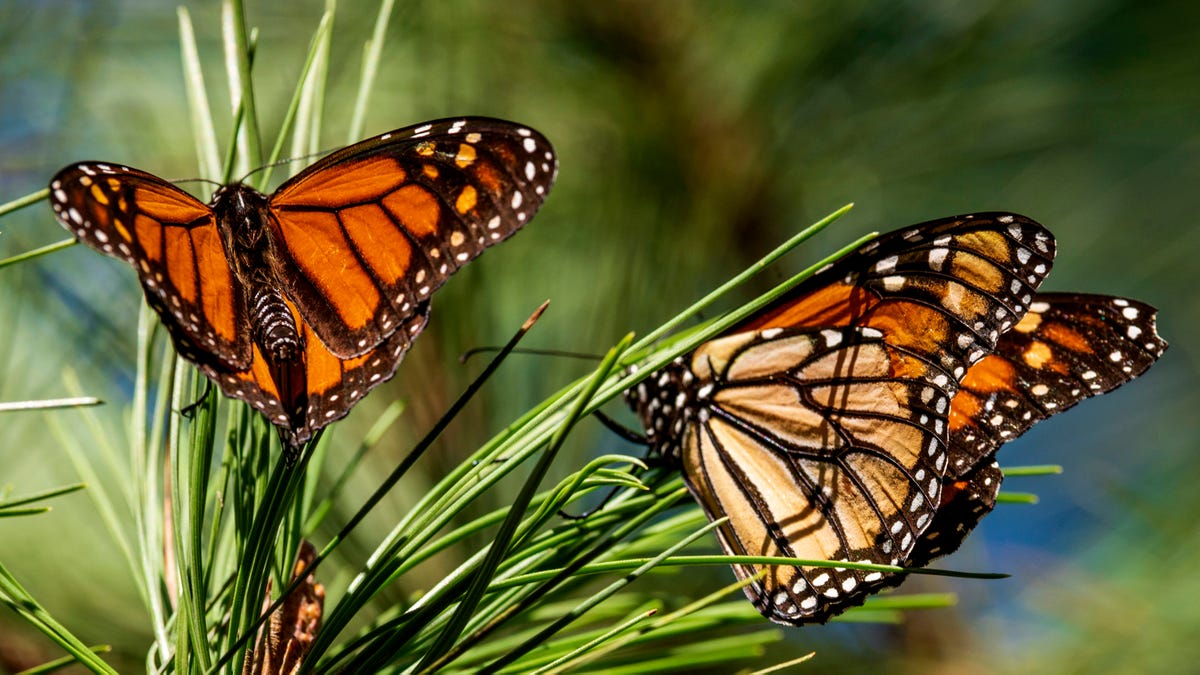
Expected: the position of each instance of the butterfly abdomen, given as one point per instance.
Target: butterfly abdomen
(274, 326)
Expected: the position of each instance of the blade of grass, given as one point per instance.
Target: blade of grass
(7, 512)
(43, 495)
(238, 55)
(37, 252)
(784, 665)
(499, 547)
(1006, 497)
(1035, 470)
(203, 131)
(561, 664)
(306, 140)
(59, 664)
(146, 469)
(318, 53)
(21, 202)
(909, 601)
(51, 403)
(24, 605)
(192, 470)
(372, 53)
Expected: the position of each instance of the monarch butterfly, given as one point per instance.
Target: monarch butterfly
(300, 302)
(832, 424)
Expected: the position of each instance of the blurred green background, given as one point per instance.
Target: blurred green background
(692, 138)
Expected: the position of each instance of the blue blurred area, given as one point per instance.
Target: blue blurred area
(693, 137)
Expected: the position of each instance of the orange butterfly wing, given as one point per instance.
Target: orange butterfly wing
(171, 239)
(945, 289)
(1069, 347)
(310, 393)
(371, 231)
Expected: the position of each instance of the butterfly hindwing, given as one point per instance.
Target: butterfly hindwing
(319, 389)
(396, 215)
(965, 501)
(171, 239)
(817, 451)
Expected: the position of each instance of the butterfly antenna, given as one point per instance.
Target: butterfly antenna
(465, 356)
(209, 181)
(287, 160)
(622, 430)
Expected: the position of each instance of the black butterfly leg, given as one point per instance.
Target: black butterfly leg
(629, 435)
(190, 409)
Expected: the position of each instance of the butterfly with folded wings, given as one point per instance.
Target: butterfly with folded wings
(857, 417)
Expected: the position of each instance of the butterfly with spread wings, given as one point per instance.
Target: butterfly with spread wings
(832, 425)
(301, 302)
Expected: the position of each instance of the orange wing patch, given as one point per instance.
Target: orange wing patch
(351, 183)
(415, 208)
(317, 244)
(386, 251)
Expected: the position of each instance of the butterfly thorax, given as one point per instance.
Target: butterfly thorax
(241, 213)
(665, 403)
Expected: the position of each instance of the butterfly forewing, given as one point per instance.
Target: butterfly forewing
(409, 208)
(1069, 347)
(943, 290)
(172, 241)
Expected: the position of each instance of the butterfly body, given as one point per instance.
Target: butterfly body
(301, 301)
(241, 213)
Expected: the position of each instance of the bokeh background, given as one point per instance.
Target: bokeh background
(692, 137)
